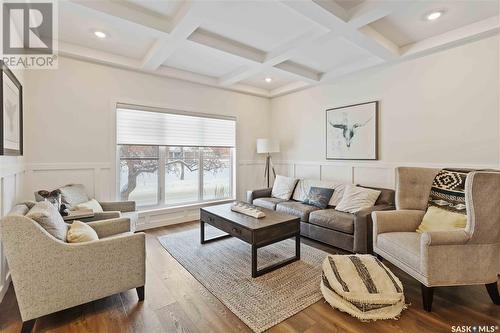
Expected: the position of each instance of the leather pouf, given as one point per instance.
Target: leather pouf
(362, 286)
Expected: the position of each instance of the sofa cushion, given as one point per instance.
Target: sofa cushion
(357, 198)
(283, 187)
(405, 246)
(269, 203)
(296, 208)
(74, 194)
(304, 185)
(333, 219)
(45, 214)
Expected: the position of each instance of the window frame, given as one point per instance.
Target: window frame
(162, 158)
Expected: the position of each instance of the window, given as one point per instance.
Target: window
(167, 158)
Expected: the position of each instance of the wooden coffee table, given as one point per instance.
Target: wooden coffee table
(273, 228)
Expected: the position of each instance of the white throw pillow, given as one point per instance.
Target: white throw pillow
(92, 204)
(80, 232)
(357, 198)
(283, 187)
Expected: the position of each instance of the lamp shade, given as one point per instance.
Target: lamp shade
(265, 146)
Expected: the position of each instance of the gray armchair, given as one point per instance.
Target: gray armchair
(50, 275)
(74, 194)
(451, 258)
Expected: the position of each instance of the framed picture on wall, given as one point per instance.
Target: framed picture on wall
(351, 132)
(11, 113)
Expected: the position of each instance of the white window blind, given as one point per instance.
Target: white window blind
(145, 127)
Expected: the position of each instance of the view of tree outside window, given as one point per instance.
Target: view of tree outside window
(179, 180)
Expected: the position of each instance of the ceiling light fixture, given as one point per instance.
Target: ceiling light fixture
(432, 16)
(100, 34)
(268, 79)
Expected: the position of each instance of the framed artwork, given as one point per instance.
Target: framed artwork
(351, 132)
(11, 113)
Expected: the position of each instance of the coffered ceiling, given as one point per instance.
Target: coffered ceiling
(238, 44)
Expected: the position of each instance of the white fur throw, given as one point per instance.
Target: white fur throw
(362, 286)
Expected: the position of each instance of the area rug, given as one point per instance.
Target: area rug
(224, 268)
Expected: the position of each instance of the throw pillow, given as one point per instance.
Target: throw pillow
(446, 209)
(357, 198)
(81, 232)
(92, 204)
(283, 187)
(437, 219)
(73, 194)
(45, 214)
(319, 197)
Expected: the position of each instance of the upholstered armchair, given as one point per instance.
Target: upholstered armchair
(445, 258)
(50, 275)
(74, 194)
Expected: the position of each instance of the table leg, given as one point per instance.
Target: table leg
(202, 232)
(254, 261)
(297, 247)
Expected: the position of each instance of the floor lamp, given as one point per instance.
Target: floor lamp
(268, 146)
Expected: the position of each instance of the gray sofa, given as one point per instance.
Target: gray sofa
(351, 232)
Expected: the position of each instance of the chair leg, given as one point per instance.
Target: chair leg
(140, 293)
(427, 295)
(492, 289)
(28, 326)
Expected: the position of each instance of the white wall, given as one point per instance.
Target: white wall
(12, 178)
(70, 130)
(440, 110)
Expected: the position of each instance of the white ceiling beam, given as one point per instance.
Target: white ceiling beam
(227, 45)
(280, 54)
(289, 88)
(127, 13)
(105, 58)
(474, 31)
(371, 11)
(184, 24)
(323, 15)
(299, 70)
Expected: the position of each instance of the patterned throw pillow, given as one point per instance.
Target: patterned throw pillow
(446, 209)
(319, 197)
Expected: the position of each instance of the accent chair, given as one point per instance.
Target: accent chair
(445, 258)
(50, 275)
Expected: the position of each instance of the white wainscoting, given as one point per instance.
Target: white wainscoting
(375, 174)
(12, 181)
(98, 178)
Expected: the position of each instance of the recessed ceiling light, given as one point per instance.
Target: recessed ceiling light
(100, 34)
(268, 79)
(432, 16)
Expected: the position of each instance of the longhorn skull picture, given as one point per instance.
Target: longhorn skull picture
(348, 130)
(351, 132)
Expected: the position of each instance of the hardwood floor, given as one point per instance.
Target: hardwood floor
(176, 302)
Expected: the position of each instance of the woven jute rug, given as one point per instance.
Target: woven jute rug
(224, 268)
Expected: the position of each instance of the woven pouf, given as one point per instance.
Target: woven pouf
(362, 286)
